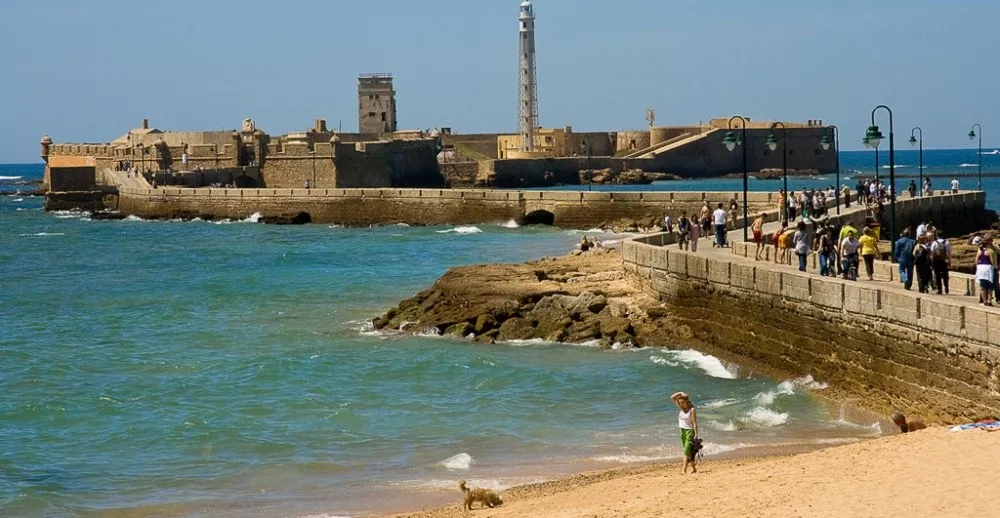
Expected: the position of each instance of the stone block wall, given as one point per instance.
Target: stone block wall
(889, 349)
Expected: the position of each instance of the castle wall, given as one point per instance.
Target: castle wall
(363, 207)
(889, 348)
(629, 141)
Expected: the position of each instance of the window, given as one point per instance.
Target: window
(383, 116)
(371, 114)
(376, 97)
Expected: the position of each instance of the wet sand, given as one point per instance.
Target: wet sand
(931, 472)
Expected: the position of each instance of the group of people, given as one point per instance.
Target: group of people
(807, 204)
(586, 244)
(690, 229)
(923, 255)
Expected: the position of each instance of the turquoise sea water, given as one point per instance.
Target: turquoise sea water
(201, 369)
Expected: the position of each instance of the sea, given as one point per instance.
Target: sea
(169, 368)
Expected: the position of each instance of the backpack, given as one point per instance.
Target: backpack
(940, 253)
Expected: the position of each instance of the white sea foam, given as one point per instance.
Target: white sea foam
(133, 217)
(325, 516)
(765, 416)
(402, 224)
(662, 361)
(897, 166)
(428, 332)
(719, 403)
(712, 448)
(728, 426)
(10, 177)
(510, 224)
(462, 461)
(808, 382)
(968, 165)
(994, 152)
(631, 458)
(710, 364)
(463, 230)
(43, 234)
(17, 199)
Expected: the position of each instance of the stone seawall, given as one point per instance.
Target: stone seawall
(890, 348)
(361, 207)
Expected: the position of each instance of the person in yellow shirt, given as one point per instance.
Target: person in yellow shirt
(869, 249)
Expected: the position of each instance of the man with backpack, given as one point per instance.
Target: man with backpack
(940, 262)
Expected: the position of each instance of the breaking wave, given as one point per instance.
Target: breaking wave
(10, 177)
(766, 417)
(463, 230)
(462, 461)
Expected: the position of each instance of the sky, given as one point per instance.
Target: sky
(85, 71)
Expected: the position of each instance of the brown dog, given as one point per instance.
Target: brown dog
(485, 497)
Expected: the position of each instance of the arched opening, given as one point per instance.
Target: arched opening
(539, 217)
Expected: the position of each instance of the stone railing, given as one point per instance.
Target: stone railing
(923, 350)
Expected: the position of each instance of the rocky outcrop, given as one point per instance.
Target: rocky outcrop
(577, 298)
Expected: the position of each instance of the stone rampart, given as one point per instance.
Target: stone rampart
(567, 209)
(893, 349)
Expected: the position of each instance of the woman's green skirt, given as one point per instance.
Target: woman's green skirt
(686, 436)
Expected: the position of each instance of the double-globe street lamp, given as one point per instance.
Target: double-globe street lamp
(875, 136)
(731, 141)
(772, 144)
(913, 142)
(972, 135)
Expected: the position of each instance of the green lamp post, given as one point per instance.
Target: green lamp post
(913, 142)
(972, 135)
(772, 144)
(731, 141)
(874, 138)
(825, 144)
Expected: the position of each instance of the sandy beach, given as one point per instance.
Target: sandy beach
(931, 472)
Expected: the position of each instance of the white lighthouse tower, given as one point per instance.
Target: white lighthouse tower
(527, 88)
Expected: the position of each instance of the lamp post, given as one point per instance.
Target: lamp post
(913, 142)
(869, 144)
(772, 144)
(825, 144)
(874, 137)
(730, 141)
(584, 148)
(972, 135)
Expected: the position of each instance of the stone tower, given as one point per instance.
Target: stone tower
(527, 94)
(376, 104)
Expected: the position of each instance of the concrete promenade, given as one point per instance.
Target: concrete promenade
(897, 348)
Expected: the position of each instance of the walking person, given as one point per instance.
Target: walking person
(849, 252)
(902, 253)
(940, 262)
(776, 242)
(719, 219)
(792, 205)
(994, 252)
(705, 218)
(826, 253)
(954, 185)
(758, 235)
(683, 231)
(695, 234)
(668, 224)
(869, 249)
(687, 421)
(802, 241)
(847, 196)
(922, 263)
(984, 274)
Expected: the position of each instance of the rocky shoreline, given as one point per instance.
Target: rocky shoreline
(578, 298)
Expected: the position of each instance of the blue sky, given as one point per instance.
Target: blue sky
(88, 71)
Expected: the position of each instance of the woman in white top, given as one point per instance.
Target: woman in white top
(687, 420)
